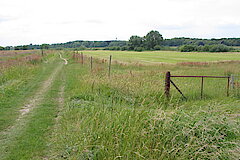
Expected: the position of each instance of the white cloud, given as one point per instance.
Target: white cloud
(52, 21)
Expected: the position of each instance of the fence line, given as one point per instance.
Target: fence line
(168, 81)
(234, 81)
(231, 80)
(109, 67)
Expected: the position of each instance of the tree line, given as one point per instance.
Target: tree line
(79, 44)
(151, 41)
(154, 41)
(206, 48)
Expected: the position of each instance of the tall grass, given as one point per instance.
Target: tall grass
(127, 116)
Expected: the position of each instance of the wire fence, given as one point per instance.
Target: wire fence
(213, 86)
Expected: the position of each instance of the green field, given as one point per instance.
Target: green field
(163, 56)
(54, 111)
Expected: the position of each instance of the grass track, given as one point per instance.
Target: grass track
(26, 138)
(32, 142)
(21, 83)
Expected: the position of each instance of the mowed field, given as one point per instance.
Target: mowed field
(163, 56)
(53, 110)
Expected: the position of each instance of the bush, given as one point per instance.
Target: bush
(113, 48)
(188, 48)
(206, 48)
(81, 48)
(157, 47)
(138, 49)
(124, 48)
(219, 48)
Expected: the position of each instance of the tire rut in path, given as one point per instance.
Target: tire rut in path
(38, 97)
(49, 154)
(9, 134)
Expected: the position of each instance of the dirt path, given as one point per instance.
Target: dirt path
(40, 94)
(60, 102)
(7, 136)
(66, 62)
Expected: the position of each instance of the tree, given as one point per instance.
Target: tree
(44, 46)
(135, 41)
(206, 48)
(1, 48)
(138, 49)
(157, 47)
(25, 47)
(152, 39)
(188, 48)
(117, 43)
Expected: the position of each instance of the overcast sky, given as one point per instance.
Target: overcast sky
(54, 21)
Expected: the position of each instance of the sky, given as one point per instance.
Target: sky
(58, 21)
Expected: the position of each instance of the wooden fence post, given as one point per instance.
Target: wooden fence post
(232, 81)
(228, 85)
(82, 57)
(109, 67)
(91, 63)
(167, 84)
(75, 55)
(202, 89)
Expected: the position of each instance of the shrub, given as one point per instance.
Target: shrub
(138, 49)
(113, 48)
(81, 48)
(124, 48)
(206, 48)
(219, 48)
(188, 48)
(157, 47)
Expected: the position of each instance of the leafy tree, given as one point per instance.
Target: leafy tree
(18, 48)
(138, 49)
(81, 48)
(45, 46)
(1, 48)
(219, 48)
(9, 48)
(25, 47)
(200, 43)
(124, 48)
(117, 43)
(135, 41)
(157, 47)
(206, 48)
(188, 48)
(152, 39)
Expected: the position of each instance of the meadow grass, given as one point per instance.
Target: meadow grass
(127, 117)
(12, 55)
(149, 57)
